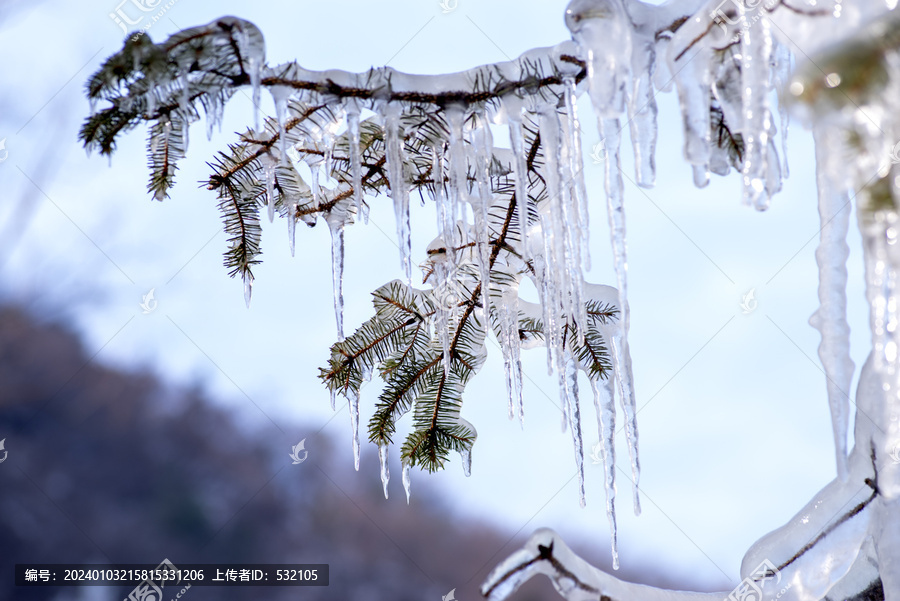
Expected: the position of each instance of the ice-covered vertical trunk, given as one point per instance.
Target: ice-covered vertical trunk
(756, 52)
(615, 205)
(831, 317)
(393, 135)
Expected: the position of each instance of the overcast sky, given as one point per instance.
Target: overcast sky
(734, 426)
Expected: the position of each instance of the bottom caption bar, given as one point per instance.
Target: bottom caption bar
(147, 578)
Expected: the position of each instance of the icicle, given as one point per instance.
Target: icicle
(693, 80)
(484, 146)
(621, 354)
(399, 189)
(576, 168)
(280, 95)
(184, 103)
(622, 366)
(336, 226)
(385, 470)
(333, 398)
(509, 345)
(604, 404)
(458, 176)
(831, 317)
(756, 49)
(445, 310)
(353, 405)
(466, 455)
(214, 110)
(520, 168)
(782, 78)
(355, 158)
(446, 220)
(406, 483)
(255, 63)
(642, 113)
(248, 290)
(555, 222)
(569, 382)
(270, 190)
(605, 34)
(314, 182)
(292, 223)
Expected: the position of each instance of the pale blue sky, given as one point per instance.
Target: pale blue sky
(734, 425)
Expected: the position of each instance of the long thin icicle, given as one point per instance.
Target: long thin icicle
(353, 405)
(831, 317)
(604, 405)
(406, 483)
(622, 360)
(385, 470)
(484, 147)
(520, 169)
(569, 381)
(336, 226)
(398, 185)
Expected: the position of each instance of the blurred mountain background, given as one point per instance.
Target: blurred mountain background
(111, 466)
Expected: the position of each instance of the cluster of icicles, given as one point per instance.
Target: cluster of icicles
(553, 238)
(631, 50)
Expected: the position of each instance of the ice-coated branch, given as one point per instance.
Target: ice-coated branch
(574, 579)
